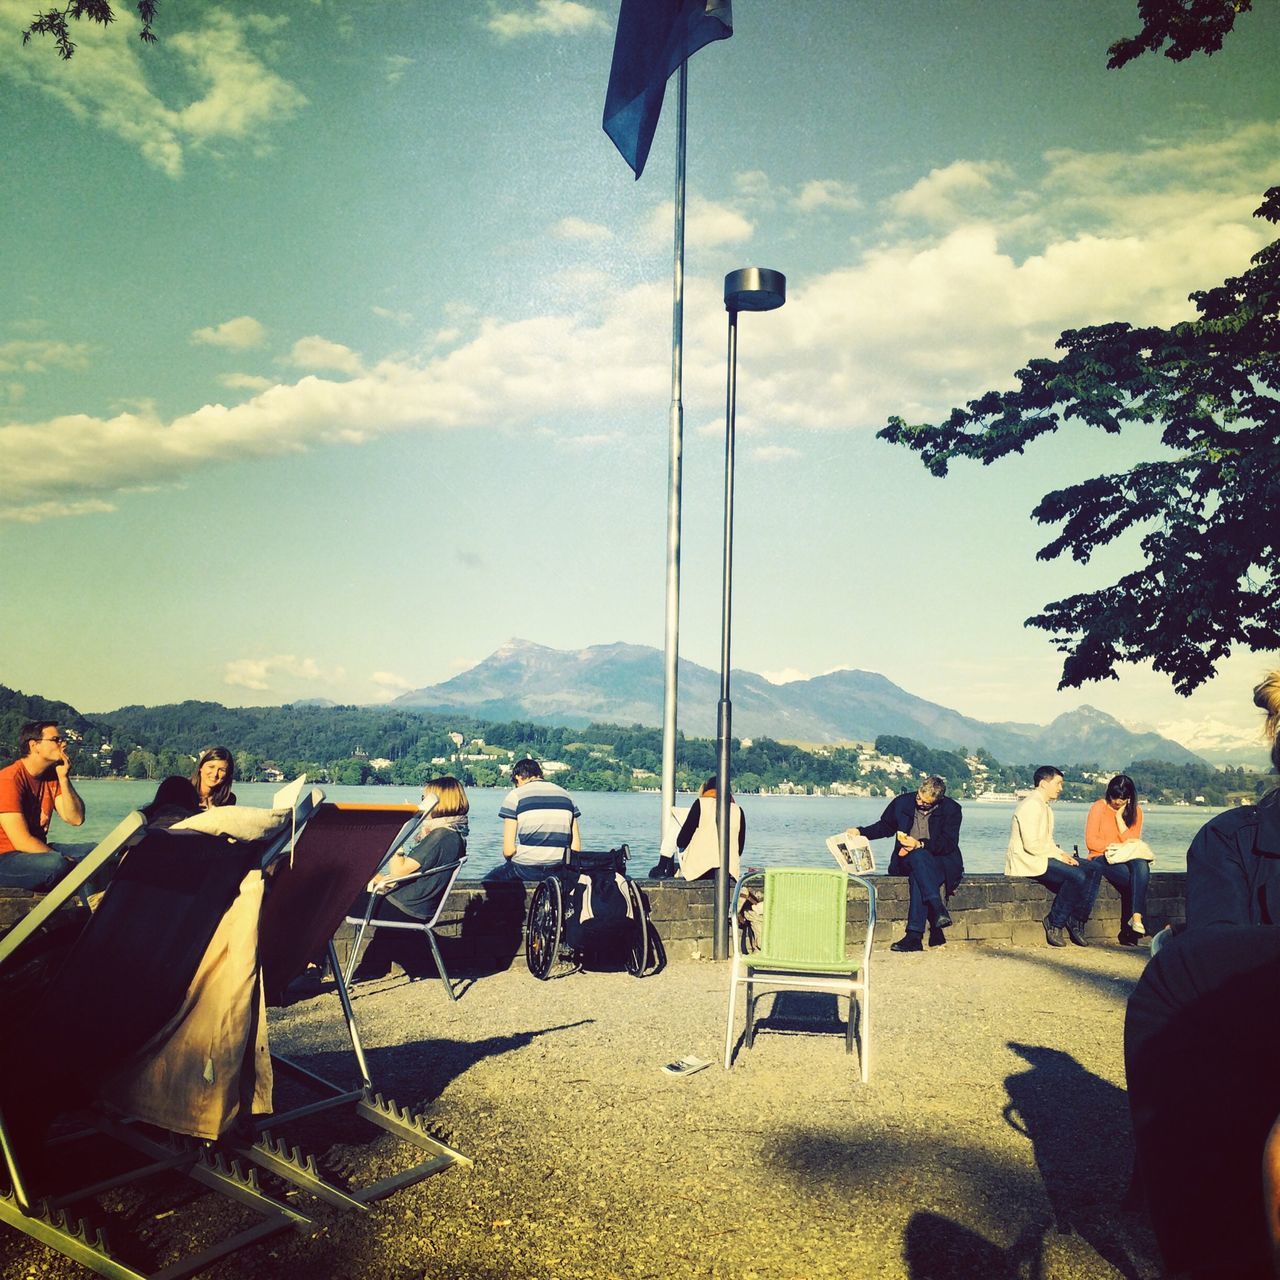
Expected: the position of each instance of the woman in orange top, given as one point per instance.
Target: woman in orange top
(1116, 819)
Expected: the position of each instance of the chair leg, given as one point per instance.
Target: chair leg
(444, 973)
(864, 1033)
(728, 1034)
(853, 1016)
(749, 1006)
(354, 957)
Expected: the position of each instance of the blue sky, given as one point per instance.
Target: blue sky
(335, 337)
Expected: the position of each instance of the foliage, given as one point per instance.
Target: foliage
(1187, 26)
(927, 760)
(53, 22)
(1209, 513)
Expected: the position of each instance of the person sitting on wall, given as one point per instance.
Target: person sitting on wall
(925, 825)
(1033, 853)
(32, 790)
(699, 840)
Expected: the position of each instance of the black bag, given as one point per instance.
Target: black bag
(598, 902)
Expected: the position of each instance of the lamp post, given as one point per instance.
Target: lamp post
(747, 289)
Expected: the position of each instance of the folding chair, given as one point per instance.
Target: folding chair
(406, 923)
(114, 988)
(803, 947)
(337, 855)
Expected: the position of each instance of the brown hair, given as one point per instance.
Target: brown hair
(709, 789)
(1267, 697)
(221, 794)
(451, 799)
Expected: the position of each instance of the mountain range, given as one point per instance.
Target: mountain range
(623, 684)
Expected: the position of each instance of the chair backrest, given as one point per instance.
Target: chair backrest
(804, 914)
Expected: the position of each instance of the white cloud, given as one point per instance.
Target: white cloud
(774, 452)
(706, 225)
(396, 65)
(245, 381)
(579, 229)
(399, 317)
(827, 193)
(239, 97)
(320, 353)
(37, 356)
(787, 675)
(262, 674)
(945, 196)
(237, 335)
(545, 18)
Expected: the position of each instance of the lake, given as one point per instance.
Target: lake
(781, 830)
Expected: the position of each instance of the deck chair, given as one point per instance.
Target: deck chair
(116, 985)
(363, 923)
(337, 855)
(803, 947)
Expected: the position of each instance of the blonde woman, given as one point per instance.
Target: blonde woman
(1233, 865)
(439, 841)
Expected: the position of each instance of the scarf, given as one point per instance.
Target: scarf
(456, 823)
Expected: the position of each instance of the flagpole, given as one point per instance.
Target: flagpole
(675, 465)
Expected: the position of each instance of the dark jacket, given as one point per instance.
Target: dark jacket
(1233, 867)
(943, 841)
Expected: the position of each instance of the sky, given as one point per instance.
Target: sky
(335, 339)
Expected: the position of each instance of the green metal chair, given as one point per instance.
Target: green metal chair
(802, 946)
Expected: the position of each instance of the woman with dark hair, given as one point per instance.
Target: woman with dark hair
(1113, 823)
(212, 778)
(1233, 865)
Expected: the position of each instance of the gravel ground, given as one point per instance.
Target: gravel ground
(992, 1140)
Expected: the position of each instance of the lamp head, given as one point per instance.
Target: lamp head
(754, 289)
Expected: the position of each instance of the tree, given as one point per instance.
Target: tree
(1187, 26)
(53, 22)
(1210, 514)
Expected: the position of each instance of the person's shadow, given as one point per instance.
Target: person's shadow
(1061, 1108)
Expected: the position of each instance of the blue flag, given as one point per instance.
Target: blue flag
(654, 38)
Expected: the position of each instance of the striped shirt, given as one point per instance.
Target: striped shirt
(544, 815)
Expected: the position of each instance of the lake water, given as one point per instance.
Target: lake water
(781, 830)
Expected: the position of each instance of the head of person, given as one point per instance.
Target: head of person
(526, 770)
(213, 775)
(451, 799)
(709, 789)
(1049, 779)
(930, 791)
(41, 739)
(1122, 796)
(1267, 698)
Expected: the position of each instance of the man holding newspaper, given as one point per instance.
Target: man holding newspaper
(925, 825)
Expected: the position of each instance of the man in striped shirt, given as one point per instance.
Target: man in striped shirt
(539, 819)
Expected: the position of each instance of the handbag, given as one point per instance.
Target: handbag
(1129, 851)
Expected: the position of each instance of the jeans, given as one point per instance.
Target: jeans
(1075, 889)
(521, 872)
(1129, 879)
(38, 871)
(925, 896)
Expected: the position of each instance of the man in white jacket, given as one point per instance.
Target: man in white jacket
(1033, 853)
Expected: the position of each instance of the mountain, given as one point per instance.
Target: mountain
(623, 684)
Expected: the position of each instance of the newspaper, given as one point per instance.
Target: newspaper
(853, 853)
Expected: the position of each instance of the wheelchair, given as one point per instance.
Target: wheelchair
(563, 926)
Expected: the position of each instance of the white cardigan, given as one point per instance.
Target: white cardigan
(1031, 842)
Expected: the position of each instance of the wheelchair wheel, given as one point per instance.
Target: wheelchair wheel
(542, 929)
(638, 937)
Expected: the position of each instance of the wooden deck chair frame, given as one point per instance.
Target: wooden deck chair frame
(56, 1221)
(366, 922)
(807, 963)
(275, 1153)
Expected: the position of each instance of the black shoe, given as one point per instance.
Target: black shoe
(908, 942)
(665, 870)
(936, 937)
(942, 920)
(1053, 934)
(1127, 937)
(1075, 931)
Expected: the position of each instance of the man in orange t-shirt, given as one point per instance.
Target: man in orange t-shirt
(32, 789)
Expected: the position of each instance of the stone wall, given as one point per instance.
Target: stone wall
(485, 926)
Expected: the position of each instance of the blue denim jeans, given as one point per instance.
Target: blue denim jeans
(519, 872)
(1076, 889)
(925, 888)
(38, 871)
(1129, 879)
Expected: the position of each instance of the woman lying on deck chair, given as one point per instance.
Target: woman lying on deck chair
(439, 841)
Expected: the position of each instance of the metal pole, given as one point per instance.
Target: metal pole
(724, 716)
(671, 652)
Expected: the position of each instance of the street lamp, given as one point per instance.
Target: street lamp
(747, 289)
